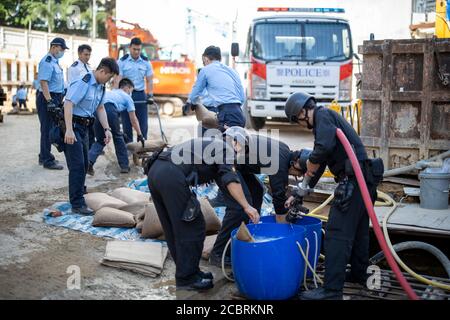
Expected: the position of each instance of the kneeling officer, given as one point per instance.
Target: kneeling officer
(84, 98)
(170, 178)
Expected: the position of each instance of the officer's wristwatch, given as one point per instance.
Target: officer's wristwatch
(108, 129)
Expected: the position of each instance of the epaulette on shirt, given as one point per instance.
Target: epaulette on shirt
(48, 59)
(75, 64)
(87, 77)
(125, 57)
(144, 57)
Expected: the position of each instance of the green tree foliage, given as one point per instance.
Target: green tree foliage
(61, 16)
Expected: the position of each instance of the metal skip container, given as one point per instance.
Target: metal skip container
(406, 99)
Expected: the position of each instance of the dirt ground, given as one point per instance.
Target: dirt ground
(35, 257)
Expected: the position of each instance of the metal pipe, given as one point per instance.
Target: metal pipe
(418, 165)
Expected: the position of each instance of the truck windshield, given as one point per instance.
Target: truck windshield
(304, 41)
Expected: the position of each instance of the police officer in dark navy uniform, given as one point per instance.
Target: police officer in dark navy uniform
(49, 97)
(347, 231)
(257, 154)
(137, 67)
(84, 98)
(224, 88)
(170, 177)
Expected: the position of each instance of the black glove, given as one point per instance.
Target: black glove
(342, 195)
(187, 108)
(150, 99)
(141, 139)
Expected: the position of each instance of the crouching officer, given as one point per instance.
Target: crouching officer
(255, 155)
(115, 102)
(49, 97)
(224, 88)
(170, 179)
(347, 232)
(84, 98)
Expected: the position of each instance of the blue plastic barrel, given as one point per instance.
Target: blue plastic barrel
(271, 269)
(311, 225)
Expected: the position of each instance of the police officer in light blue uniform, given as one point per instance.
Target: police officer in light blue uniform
(116, 101)
(50, 95)
(84, 97)
(224, 87)
(136, 67)
(80, 67)
(78, 70)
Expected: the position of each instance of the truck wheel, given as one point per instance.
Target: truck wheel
(168, 108)
(258, 123)
(173, 107)
(255, 123)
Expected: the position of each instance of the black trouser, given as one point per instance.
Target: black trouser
(22, 103)
(347, 240)
(170, 193)
(234, 213)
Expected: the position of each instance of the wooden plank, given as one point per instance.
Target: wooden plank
(413, 218)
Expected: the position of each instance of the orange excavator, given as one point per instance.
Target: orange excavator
(172, 80)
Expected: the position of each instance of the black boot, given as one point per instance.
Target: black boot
(349, 277)
(199, 285)
(321, 294)
(206, 275)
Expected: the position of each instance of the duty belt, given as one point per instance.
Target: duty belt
(87, 122)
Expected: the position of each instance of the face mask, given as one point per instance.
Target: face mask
(59, 55)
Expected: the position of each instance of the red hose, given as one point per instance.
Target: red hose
(376, 227)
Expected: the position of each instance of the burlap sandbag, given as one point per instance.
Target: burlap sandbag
(98, 200)
(243, 234)
(130, 196)
(150, 146)
(152, 227)
(206, 117)
(139, 226)
(110, 217)
(135, 208)
(212, 222)
(208, 246)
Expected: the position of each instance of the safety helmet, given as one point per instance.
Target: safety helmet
(301, 157)
(295, 104)
(238, 134)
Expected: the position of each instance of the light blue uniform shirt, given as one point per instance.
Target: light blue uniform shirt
(120, 99)
(222, 83)
(77, 70)
(86, 95)
(206, 99)
(135, 70)
(50, 71)
(22, 94)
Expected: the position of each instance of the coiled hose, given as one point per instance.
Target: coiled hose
(410, 245)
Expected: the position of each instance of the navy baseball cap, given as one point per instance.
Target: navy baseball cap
(59, 42)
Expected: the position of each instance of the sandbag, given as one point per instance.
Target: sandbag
(98, 200)
(212, 222)
(208, 245)
(139, 226)
(111, 217)
(206, 117)
(243, 234)
(135, 209)
(152, 227)
(150, 146)
(131, 196)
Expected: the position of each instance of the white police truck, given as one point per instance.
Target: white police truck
(293, 50)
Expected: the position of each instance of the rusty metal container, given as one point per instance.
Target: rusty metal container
(406, 106)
